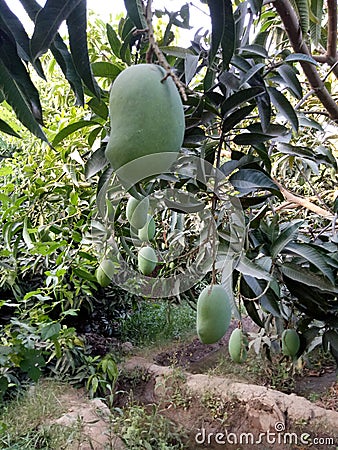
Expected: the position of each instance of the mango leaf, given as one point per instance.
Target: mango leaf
(254, 50)
(5, 128)
(283, 105)
(313, 256)
(99, 107)
(47, 23)
(69, 129)
(190, 67)
(240, 97)
(304, 16)
(252, 138)
(317, 10)
(65, 61)
(236, 117)
(18, 102)
(178, 52)
(113, 39)
(136, 13)
(286, 236)
(290, 79)
(18, 71)
(307, 277)
(300, 57)
(250, 180)
(77, 26)
(101, 191)
(105, 69)
(228, 38)
(96, 162)
(218, 20)
(21, 37)
(249, 267)
(250, 73)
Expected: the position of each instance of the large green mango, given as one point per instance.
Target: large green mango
(213, 314)
(146, 119)
(105, 272)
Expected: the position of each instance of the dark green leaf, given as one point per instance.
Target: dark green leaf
(290, 79)
(240, 97)
(48, 21)
(18, 71)
(65, 61)
(286, 236)
(5, 128)
(217, 14)
(19, 104)
(300, 57)
(252, 138)
(254, 50)
(236, 117)
(250, 73)
(96, 162)
(77, 26)
(136, 13)
(99, 107)
(50, 330)
(69, 129)
(101, 191)
(291, 150)
(228, 38)
(20, 35)
(251, 180)
(283, 105)
(114, 41)
(307, 277)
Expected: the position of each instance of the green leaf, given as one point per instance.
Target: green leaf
(304, 17)
(240, 97)
(291, 150)
(307, 277)
(21, 37)
(217, 14)
(255, 50)
(18, 71)
(69, 129)
(114, 41)
(96, 162)
(178, 52)
(50, 330)
(101, 191)
(250, 180)
(286, 236)
(65, 61)
(250, 73)
(313, 256)
(105, 69)
(252, 138)
(283, 105)
(47, 23)
(248, 267)
(77, 29)
(317, 9)
(290, 79)
(300, 57)
(236, 117)
(18, 102)
(228, 38)
(136, 13)
(5, 128)
(99, 107)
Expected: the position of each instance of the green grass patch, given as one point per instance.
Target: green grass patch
(158, 322)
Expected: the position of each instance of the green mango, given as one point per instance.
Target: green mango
(147, 260)
(290, 342)
(137, 212)
(237, 346)
(146, 119)
(147, 233)
(213, 314)
(104, 273)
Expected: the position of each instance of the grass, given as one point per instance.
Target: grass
(158, 322)
(24, 420)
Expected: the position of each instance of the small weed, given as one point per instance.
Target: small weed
(145, 428)
(215, 405)
(174, 391)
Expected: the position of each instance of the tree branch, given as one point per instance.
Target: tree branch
(292, 27)
(332, 30)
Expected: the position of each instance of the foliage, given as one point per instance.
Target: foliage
(250, 112)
